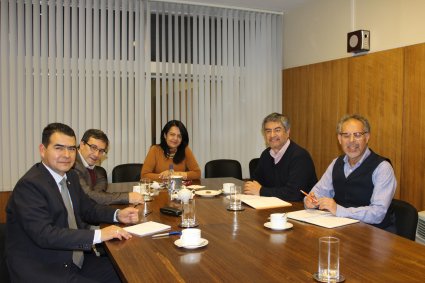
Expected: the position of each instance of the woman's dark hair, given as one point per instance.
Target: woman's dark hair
(180, 154)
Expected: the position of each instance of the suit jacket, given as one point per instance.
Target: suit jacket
(98, 191)
(39, 243)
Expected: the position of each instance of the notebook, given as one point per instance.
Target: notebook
(147, 228)
(320, 218)
(259, 202)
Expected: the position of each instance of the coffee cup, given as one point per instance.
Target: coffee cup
(278, 220)
(227, 187)
(191, 237)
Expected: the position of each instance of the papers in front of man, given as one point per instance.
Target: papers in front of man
(147, 228)
(259, 202)
(320, 218)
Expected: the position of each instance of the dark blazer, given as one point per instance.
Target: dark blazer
(39, 243)
(98, 191)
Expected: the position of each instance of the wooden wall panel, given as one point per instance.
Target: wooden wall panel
(314, 99)
(413, 137)
(375, 90)
(4, 197)
(387, 87)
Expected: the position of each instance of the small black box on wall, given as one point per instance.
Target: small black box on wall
(358, 41)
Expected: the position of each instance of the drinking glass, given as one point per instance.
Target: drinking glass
(188, 213)
(145, 189)
(235, 198)
(328, 259)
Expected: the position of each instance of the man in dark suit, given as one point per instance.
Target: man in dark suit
(284, 167)
(45, 213)
(93, 147)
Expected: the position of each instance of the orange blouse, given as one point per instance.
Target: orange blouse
(156, 162)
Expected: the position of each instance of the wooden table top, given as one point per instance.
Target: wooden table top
(241, 249)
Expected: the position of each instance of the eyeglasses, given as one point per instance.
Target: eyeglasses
(95, 149)
(357, 135)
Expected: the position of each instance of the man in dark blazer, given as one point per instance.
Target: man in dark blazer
(93, 147)
(40, 245)
(284, 167)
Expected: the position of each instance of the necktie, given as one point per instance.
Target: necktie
(92, 176)
(77, 256)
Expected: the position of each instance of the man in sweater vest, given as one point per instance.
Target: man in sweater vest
(93, 147)
(284, 167)
(359, 184)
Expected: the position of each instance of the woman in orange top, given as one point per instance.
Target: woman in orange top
(174, 150)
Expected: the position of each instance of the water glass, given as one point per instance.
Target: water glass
(145, 189)
(188, 213)
(328, 258)
(235, 198)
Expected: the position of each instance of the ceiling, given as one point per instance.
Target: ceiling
(266, 5)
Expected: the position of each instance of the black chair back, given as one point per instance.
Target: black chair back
(4, 272)
(406, 218)
(129, 172)
(252, 166)
(221, 168)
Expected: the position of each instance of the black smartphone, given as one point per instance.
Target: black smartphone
(171, 211)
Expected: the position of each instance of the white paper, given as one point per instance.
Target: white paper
(320, 218)
(147, 228)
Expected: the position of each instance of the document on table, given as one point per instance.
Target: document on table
(320, 218)
(147, 228)
(259, 202)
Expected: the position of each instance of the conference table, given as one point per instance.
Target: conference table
(241, 249)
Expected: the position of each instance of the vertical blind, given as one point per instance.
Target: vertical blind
(219, 71)
(129, 66)
(81, 63)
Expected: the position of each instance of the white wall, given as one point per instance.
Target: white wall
(317, 30)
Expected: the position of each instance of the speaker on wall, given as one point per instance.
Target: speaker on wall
(358, 41)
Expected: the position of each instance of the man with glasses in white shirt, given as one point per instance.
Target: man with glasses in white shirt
(359, 184)
(93, 148)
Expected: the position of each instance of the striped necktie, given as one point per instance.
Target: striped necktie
(77, 256)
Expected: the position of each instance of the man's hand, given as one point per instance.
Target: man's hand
(135, 198)
(310, 201)
(128, 215)
(113, 232)
(327, 204)
(252, 188)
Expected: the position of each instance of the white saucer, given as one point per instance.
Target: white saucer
(208, 193)
(195, 187)
(179, 244)
(287, 226)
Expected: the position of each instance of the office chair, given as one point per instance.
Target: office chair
(252, 166)
(223, 168)
(406, 218)
(129, 172)
(103, 170)
(4, 272)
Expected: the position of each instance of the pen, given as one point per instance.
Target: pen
(307, 195)
(167, 234)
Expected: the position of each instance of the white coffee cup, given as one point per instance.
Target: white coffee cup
(278, 220)
(227, 187)
(191, 237)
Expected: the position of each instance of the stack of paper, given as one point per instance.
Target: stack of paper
(147, 228)
(259, 202)
(320, 218)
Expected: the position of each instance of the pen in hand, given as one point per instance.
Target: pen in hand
(313, 199)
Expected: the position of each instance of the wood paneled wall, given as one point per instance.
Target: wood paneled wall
(387, 87)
